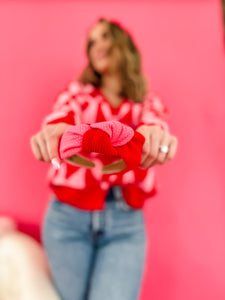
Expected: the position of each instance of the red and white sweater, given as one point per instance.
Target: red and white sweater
(87, 188)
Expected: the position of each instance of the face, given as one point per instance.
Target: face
(103, 57)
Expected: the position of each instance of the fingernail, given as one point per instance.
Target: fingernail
(55, 163)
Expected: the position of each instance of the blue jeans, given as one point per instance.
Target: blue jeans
(95, 255)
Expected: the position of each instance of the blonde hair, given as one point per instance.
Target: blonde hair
(133, 81)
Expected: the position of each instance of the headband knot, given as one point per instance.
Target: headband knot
(110, 138)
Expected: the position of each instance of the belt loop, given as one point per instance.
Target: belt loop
(95, 221)
(117, 192)
(96, 228)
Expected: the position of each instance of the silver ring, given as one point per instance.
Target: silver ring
(164, 148)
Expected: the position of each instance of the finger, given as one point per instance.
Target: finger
(172, 149)
(166, 140)
(153, 151)
(41, 142)
(153, 164)
(145, 152)
(148, 162)
(53, 148)
(155, 142)
(147, 158)
(36, 149)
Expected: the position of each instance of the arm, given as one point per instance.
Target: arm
(66, 112)
(155, 130)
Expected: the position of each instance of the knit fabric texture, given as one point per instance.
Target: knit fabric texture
(87, 187)
(110, 138)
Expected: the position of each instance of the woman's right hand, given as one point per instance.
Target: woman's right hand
(45, 144)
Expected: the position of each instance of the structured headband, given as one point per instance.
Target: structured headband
(111, 138)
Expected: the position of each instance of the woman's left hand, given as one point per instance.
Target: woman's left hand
(159, 147)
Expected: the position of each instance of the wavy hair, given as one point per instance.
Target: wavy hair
(133, 80)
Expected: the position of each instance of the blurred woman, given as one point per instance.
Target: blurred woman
(94, 232)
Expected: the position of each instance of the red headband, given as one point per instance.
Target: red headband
(111, 138)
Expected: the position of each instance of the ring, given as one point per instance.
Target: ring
(164, 148)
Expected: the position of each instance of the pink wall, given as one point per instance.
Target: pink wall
(183, 53)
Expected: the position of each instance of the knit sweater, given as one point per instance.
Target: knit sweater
(86, 188)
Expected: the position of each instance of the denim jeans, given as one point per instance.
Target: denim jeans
(95, 255)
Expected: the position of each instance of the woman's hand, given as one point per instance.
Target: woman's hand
(45, 144)
(153, 153)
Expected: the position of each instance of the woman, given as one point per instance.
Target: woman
(94, 231)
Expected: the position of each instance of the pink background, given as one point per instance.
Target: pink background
(182, 43)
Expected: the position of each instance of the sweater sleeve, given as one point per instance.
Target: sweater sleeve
(153, 111)
(66, 107)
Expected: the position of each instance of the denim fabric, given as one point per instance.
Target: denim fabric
(95, 255)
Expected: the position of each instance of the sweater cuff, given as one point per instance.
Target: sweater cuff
(160, 123)
(69, 119)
